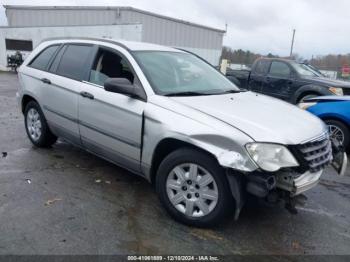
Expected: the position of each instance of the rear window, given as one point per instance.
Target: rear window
(42, 60)
(261, 67)
(73, 63)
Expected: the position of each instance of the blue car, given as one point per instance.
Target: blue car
(335, 112)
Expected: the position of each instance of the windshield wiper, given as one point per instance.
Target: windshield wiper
(187, 93)
(234, 91)
(193, 93)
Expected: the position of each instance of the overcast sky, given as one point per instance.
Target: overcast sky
(263, 26)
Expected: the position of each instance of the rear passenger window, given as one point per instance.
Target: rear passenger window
(73, 63)
(261, 67)
(42, 60)
(279, 69)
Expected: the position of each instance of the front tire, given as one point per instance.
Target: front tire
(193, 188)
(36, 126)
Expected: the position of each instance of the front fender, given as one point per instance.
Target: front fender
(311, 88)
(233, 156)
(225, 143)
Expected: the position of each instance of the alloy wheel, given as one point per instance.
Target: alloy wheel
(336, 132)
(192, 190)
(34, 124)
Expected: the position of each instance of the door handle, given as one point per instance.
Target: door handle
(87, 95)
(46, 81)
(267, 79)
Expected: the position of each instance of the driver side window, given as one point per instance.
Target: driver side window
(108, 64)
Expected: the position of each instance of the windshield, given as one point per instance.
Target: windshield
(316, 71)
(172, 73)
(305, 70)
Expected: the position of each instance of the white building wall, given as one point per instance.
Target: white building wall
(37, 34)
(163, 31)
(202, 40)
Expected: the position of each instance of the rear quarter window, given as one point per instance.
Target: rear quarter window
(73, 63)
(42, 60)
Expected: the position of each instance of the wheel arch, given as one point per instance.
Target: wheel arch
(336, 117)
(310, 89)
(235, 181)
(25, 100)
(167, 146)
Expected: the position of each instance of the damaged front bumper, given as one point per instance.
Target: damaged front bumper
(288, 184)
(316, 155)
(298, 184)
(294, 182)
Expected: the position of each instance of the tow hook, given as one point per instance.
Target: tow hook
(340, 159)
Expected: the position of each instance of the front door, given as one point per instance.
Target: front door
(278, 82)
(110, 123)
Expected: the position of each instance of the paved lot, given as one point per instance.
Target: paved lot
(65, 201)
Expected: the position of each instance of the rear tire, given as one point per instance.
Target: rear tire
(194, 189)
(36, 126)
(339, 131)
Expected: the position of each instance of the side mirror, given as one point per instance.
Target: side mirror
(121, 86)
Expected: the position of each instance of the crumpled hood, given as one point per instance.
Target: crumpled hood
(263, 118)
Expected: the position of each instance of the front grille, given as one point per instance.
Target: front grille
(317, 154)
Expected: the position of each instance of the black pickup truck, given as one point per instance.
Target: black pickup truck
(286, 79)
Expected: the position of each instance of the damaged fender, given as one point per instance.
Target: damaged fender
(161, 124)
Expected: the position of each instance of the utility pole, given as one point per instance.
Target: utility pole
(291, 48)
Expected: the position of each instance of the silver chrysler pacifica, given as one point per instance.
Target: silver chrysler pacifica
(170, 117)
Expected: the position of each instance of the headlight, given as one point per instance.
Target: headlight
(336, 90)
(271, 157)
(306, 105)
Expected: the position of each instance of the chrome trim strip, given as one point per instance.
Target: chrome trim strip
(89, 83)
(324, 135)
